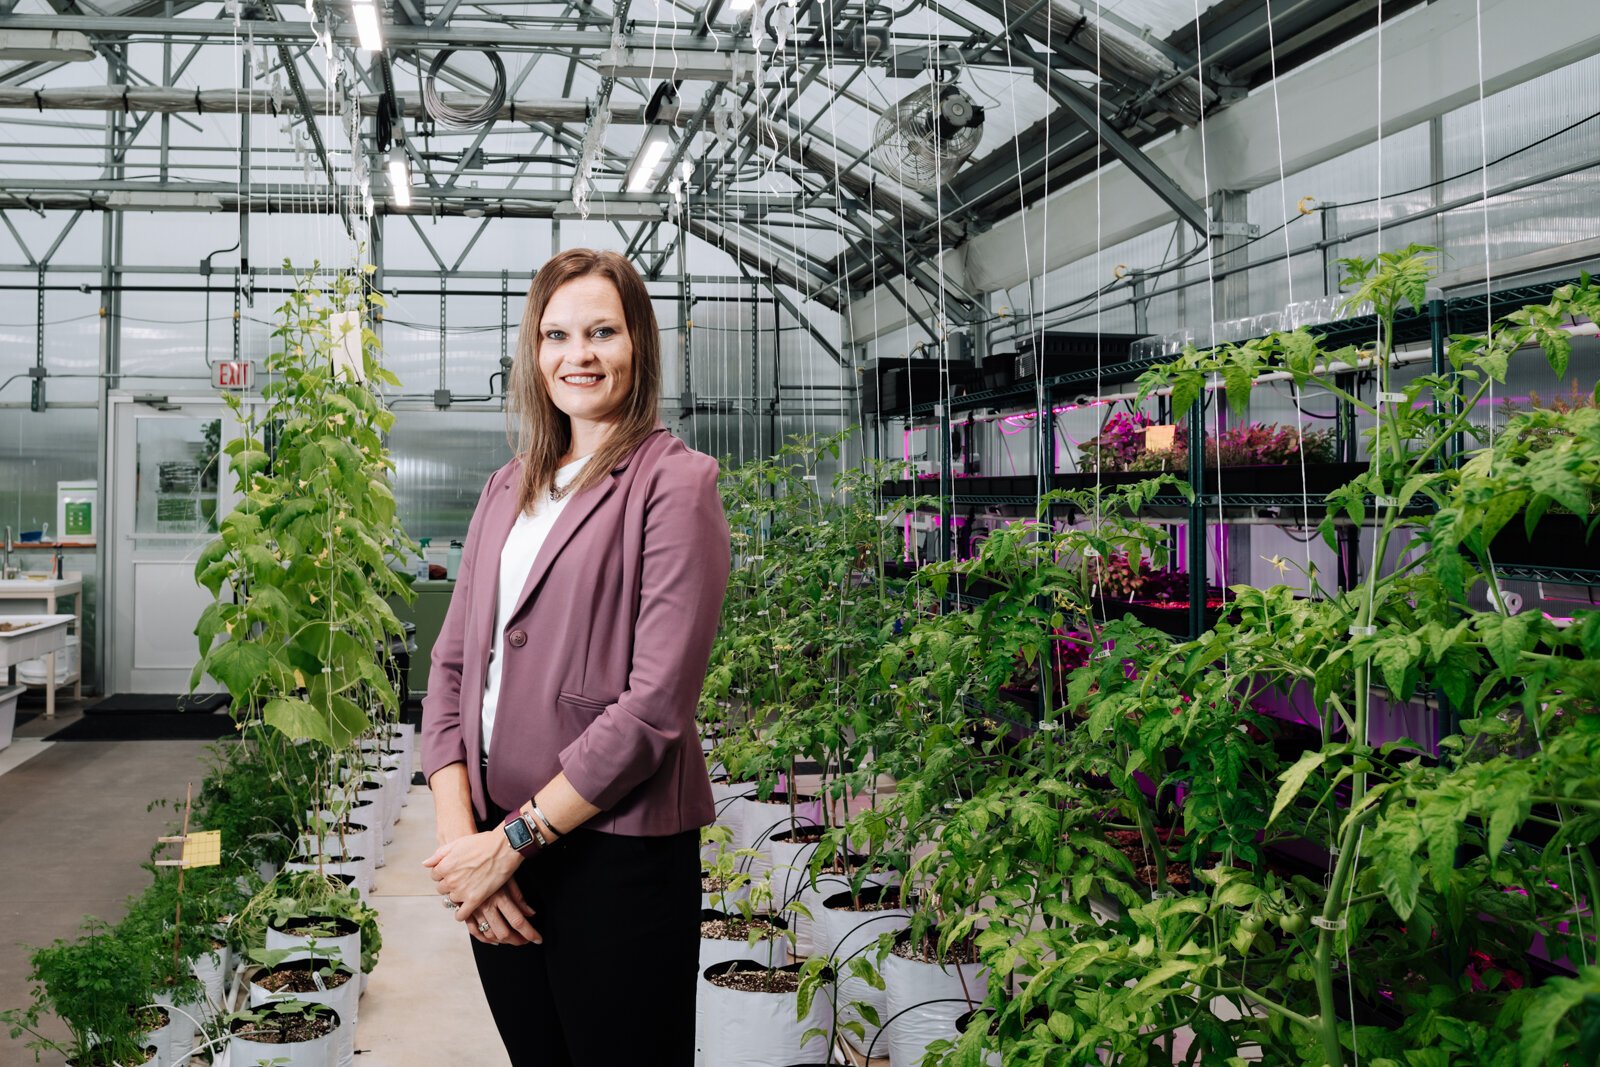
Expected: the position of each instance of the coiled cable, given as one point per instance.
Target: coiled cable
(465, 118)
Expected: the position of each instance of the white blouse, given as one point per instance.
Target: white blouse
(522, 546)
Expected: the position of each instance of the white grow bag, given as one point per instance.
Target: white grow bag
(346, 948)
(343, 999)
(759, 1029)
(321, 1052)
(842, 934)
(770, 953)
(760, 819)
(923, 1002)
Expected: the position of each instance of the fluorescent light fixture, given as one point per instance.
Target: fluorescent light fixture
(46, 46)
(369, 29)
(742, 5)
(642, 174)
(399, 177)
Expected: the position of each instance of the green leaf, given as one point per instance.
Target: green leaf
(1294, 779)
(1504, 636)
(249, 461)
(335, 724)
(1186, 389)
(239, 665)
(1237, 381)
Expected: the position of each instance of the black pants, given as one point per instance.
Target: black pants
(615, 976)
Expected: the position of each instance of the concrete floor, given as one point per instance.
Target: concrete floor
(74, 829)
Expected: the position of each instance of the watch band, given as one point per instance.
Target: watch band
(548, 825)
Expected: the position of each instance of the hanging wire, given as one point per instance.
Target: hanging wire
(465, 118)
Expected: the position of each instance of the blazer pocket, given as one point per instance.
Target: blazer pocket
(578, 700)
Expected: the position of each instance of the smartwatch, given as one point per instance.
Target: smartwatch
(522, 835)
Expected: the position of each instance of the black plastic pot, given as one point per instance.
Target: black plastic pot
(1558, 541)
(1063, 352)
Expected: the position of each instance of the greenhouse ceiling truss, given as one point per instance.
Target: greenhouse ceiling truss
(1150, 86)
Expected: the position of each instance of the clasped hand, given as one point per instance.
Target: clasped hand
(475, 871)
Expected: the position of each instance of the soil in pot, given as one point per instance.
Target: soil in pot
(296, 1029)
(151, 1019)
(926, 950)
(318, 927)
(735, 928)
(761, 981)
(301, 980)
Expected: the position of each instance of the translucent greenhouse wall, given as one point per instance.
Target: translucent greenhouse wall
(443, 457)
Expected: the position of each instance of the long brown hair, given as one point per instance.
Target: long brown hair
(543, 431)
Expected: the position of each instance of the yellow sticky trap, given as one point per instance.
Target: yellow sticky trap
(202, 849)
(1160, 438)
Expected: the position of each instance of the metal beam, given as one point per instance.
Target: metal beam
(1335, 103)
(127, 195)
(1083, 106)
(139, 98)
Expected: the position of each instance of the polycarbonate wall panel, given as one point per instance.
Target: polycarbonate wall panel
(442, 460)
(1555, 212)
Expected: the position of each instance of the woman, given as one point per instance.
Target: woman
(558, 731)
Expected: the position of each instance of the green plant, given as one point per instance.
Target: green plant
(307, 551)
(255, 794)
(1425, 871)
(809, 603)
(277, 1022)
(308, 895)
(97, 986)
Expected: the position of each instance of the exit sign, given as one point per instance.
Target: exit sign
(233, 374)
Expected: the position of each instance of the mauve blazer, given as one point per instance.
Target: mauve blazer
(605, 652)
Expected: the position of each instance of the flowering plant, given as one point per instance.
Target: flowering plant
(1120, 446)
(1119, 443)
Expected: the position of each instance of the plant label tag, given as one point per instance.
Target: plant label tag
(316, 977)
(1391, 398)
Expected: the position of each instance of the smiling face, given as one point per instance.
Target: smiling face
(585, 353)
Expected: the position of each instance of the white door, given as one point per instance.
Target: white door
(168, 487)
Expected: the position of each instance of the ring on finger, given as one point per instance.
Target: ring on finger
(450, 905)
(483, 926)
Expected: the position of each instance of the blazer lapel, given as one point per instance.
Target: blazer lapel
(502, 515)
(578, 508)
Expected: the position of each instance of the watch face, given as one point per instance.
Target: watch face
(517, 833)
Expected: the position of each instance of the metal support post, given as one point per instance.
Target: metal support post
(947, 483)
(1447, 721)
(505, 333)
(1197, 519)
(37, 401)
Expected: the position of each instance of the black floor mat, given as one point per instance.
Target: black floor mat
(159, 704)
(131, 726)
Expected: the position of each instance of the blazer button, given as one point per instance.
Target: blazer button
(517, 638)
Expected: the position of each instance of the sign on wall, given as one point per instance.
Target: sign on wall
(233, 374)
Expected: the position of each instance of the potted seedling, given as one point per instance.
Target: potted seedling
(739, 932)
(725, 879)
(811, 864)
(284, 1033)
(297, 909)
(846, 932)
(315, 975)
(756, 1014)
